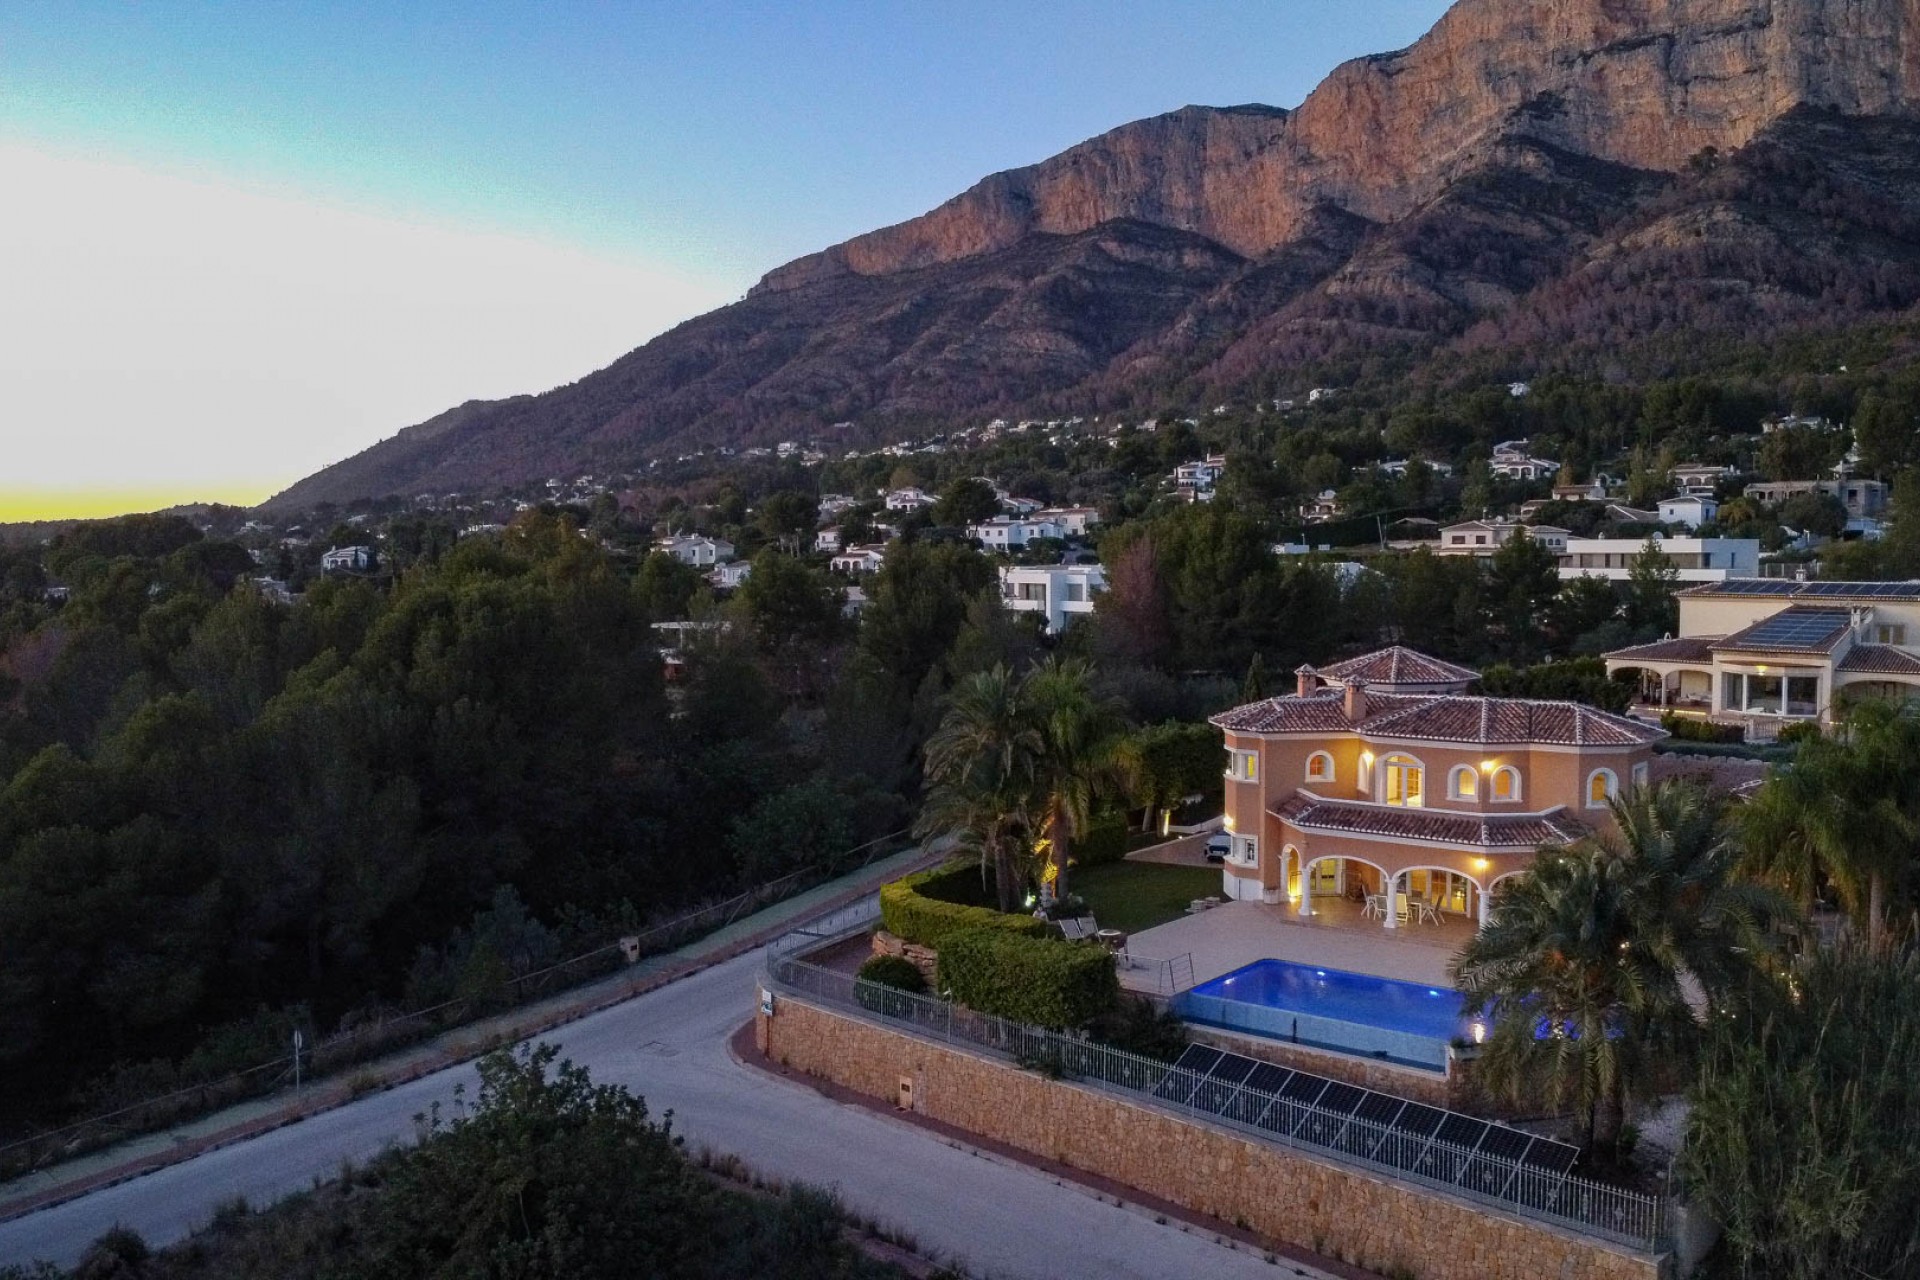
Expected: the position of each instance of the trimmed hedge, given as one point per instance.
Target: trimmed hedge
(910, 914)
(1042, 981)
(1104, 840)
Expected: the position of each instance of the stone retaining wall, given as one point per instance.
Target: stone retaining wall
(925, 959)
(1366, 1220)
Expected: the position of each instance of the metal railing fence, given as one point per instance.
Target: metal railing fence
(1620, 1215)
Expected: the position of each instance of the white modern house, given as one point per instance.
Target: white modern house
(347, 560)
(1695, 559)
(860, 560)
(1059, 592)
(1484, 537)
(730, 575)
(1076, 521)
(827, 540)
(1002, 533)
(700, 552)
(1689, 510)
(1702, 478)
(909, 499)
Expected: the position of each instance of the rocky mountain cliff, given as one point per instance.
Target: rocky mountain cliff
(1482, 186)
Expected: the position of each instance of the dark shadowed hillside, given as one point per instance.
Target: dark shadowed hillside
(1560, 184)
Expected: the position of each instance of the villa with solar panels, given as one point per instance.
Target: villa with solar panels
(1764, 653)
(1380, 782)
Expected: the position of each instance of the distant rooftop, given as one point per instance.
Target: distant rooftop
(1782, 589)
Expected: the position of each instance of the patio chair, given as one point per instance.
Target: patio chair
(1375, 907)
(1078, 927)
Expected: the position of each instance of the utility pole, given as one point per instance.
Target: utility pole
(299, 1043)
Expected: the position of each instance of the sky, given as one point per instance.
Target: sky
(241, 241)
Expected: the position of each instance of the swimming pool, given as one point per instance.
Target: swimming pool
(1333, 1009)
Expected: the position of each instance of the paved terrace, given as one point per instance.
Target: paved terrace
(1338, 937)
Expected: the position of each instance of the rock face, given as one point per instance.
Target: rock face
(1643, 83)
(1526, 171)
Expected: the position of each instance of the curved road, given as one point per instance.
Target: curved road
(998, 1218)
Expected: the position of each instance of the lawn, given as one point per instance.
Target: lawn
(1132, 896)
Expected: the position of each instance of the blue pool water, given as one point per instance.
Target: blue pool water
(1352, 1012)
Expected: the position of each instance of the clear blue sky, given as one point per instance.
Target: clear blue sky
(709, 141)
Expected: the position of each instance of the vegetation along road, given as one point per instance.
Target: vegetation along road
(1001, 1219)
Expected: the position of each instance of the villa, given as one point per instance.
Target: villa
(1381, 781)
(1763, 652)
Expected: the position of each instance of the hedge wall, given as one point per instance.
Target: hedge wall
(908, 913)
(1042, 981)
(1104, 840)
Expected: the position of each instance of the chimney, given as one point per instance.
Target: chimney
(1306, 681)
(1356, 701)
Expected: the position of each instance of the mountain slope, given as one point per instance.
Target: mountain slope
(1474, 188)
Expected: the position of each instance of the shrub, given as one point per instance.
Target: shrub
(1689, 729)
(894, 971)
(1104, 840)
(909, 913)
(1570, 680)
(1799, 731)
(1138, 1025)
(1042, 981)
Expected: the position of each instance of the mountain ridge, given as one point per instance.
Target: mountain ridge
(1411, 198)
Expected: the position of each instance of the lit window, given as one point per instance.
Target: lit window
(1319, 767)
(1463, 783)
(1506, 783)
(1602, 786)
(1243, 766)
(1406, 782)
(1245, 849)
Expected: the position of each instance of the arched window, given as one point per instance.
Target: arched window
(1406, 782)
(1506, 783)
(1602, 786)
(1319, 767)
(1463, 783)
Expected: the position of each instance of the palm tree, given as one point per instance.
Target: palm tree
(981, 770)
(1847, 811)
(1586, 963)
(1080, 755)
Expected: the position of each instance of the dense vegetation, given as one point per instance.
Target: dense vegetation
(548, 1177)
(221, 816)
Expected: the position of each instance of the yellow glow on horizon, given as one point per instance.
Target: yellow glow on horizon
(96, 504)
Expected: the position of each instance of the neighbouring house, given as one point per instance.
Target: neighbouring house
(1397, 467)
(1701, 478)
(1765, 651)
(1689, 510)
(832, 504)
(1058, 592)
(909, 499)
(700, 552)
(1020, 507)
(274, 589)
(860, 560)
(1591, 491)
(1003, 533)
(1076, 521)
(1477, 537)
(1863, 499)
(1694, 559)
(727, 576)
(827, 540)
(347, 560)
(1379, 779)
(1195, 480)
(1321, 508)
(1621, 513)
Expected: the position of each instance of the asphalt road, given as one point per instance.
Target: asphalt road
(1001, 1219)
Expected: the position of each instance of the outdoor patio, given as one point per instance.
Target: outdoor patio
(1235, 934)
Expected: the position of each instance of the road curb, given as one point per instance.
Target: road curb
(338, 1094)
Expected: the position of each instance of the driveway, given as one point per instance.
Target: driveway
(1000, 1218)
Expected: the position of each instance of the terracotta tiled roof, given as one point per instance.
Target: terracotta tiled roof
(1444, 718)
(1880, 659)
(1796, 629)
(1680, 649)
(1398, 665)
(1509, 720)
(1480, 831)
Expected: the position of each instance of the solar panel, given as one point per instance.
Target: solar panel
(1380, 1127)
(1793, 629)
